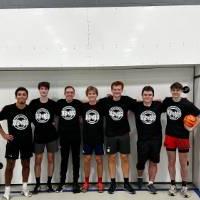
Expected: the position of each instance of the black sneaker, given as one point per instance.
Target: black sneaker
(59, 188)
(50, 188)
(76, 188)
(37, 189)
(151, 189)
(112, 188)
(140, 183)
(129, 188)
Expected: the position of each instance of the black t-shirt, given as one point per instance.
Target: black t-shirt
(116, 114)
(176, 111)
(148, 120)
(69, 118)
(19, 122)
(92, 123)
(43, 118)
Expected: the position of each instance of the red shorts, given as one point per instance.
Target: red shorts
(172, 143)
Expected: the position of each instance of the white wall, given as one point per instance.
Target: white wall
(196, 156)
(88, 37)
(134, 80)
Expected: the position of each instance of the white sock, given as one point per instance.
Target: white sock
(24, 186)
(140, 176)
(7, 191)
(150, 182)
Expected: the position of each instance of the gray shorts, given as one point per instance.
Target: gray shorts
(51, 147)
(119, 144)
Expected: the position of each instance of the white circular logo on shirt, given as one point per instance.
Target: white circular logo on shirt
(174, 112)
(148, 117)
(42, 115)
(92, 116)
(68, 112)
(116, 113)
(20, 122)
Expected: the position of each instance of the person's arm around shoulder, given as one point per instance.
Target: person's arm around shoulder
(164, 105)
(132, 103)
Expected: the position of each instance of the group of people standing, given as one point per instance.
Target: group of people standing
(104, 122)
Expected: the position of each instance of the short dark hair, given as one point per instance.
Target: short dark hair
(117, 83)
(21, 89)
(177, 86)
(91, 88)
(69, 86)
(148, 88)
(44, 84)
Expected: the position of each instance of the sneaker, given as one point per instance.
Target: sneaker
(172, 190)
(6, 197)
(129, 188)
(76, 188)
(50, 188)
(37, 189)
(140, 183)
(59, 188)
(26, 193)
(85, 187)
(184, 192)
(112, 188)
(100, 187)
(151, 189)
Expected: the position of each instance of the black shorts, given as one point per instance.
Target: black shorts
(88, 149)
(52, 147)
(24, 147)
(119, 144)
(148, 150)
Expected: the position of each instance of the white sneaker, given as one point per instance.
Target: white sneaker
(6, 197)
(172, 190)
(184, 192)
(26, 193)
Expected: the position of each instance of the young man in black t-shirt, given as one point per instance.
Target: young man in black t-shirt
(19, 139)
(177, 135)
(147, 115)
(43, 112)
(116, 109)
(69, 112)
(92, 137)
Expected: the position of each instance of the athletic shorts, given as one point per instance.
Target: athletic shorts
(22, 147)
(172, 143)
(88, 149)
(119, 144)
(148, 150)
(51, 147)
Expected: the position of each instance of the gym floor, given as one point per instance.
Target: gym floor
(92, 194)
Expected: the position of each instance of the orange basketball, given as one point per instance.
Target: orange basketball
(190, 120)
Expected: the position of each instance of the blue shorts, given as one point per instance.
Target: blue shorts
(88, 149)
